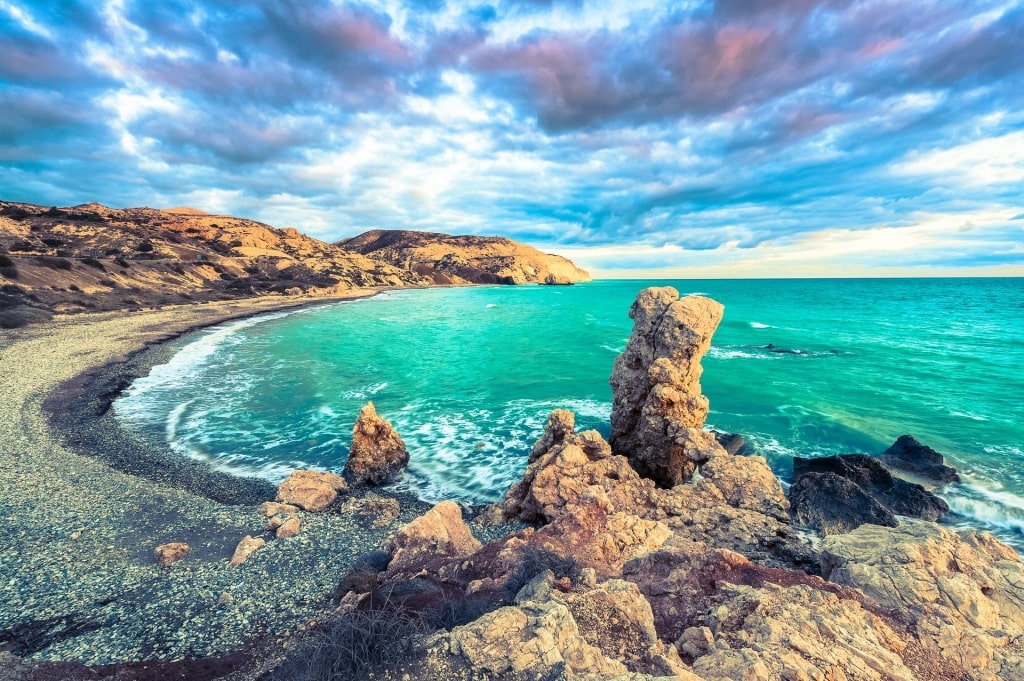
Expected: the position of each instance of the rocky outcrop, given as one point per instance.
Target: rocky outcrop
(377, 454)
(658, 409)
(464, 259)
(311, 490)
(963, 592)
(838, 493)
(910, 456)
(169, 554)
(437, 537)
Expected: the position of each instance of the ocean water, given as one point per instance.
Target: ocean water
(468, 376)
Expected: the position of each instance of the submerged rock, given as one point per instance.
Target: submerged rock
(909, 455)
(377, 454)
(841, 508)
(658, 409)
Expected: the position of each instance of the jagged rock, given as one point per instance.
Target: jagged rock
(245, 549)
(833, 504)
(909, 455)
(289, 528)
(437, 537)
(311, 490)
(746, 483)
(658, 409)
(560, 426)
(377, 454)
(964, 592)
(380, 511)
(169, 554)
(868, 473)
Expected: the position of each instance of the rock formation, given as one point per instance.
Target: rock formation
(921, 461)
(438, 536)
(377, 454)
(658, 409)
(311, 490)
(838, 493)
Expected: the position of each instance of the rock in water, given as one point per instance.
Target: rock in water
(833, 504)
(658, 408)
(907, 454)
(377, 454)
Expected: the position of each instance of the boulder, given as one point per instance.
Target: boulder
(658, 409)
(310, 490)
(169, 554)
(245, 549)
(910, 456)
(833, 504)
(377, 454)
(289, 528)
(963, 592)
(437, 537)
(732, 442)
(867, 472)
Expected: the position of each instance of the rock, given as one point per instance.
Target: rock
(658, 409)
(169, 554)
(746, 483)
(380, 511)
(289, 528)
(963, 592)
(272, 508)
(377, 454)
(437, 537)
(733, 443)
(561, 424)
(909, 455)
(833, 504)
(868, 473)
(311, 490)
(245, 548)
(557, 280)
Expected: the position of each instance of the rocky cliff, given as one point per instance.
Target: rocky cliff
(465, 259)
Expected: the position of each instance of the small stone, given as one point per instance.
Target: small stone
(225, 598)
(289, 528)
(272, 508)
(245, 549)
(169, 554)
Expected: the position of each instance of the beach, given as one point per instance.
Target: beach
(78, 576)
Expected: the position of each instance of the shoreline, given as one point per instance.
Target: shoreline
(87, 504)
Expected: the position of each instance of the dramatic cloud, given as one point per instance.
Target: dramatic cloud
(728, 138)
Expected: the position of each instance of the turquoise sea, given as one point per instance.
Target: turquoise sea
(468, 376)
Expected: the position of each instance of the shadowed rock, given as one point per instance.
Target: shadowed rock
(867, 473)
(658, 409)
(377, 454)
(834, 505)
(907, 454)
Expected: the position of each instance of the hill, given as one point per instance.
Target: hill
(447, 259)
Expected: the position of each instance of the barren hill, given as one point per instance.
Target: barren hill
(91, 257)
(450, 259)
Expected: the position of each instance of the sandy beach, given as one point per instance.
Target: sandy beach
(78, 578)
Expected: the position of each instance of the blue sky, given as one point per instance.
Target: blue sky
(730, 138)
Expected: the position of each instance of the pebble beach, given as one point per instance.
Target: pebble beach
(84, 510)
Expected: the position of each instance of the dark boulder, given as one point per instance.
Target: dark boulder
(868, 473)
(833, 504)
(732, 443)
(909, 455)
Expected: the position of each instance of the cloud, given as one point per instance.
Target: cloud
(708, 134)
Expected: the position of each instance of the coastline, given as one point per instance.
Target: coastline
(77, 572)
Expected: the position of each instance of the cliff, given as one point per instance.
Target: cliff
(449, 259)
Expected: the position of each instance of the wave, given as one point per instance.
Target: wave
(985, 508)
(490, 305)
(616, 350)
(736, 353)
(759, 325)
(364, 392)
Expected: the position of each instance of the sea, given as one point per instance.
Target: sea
(802, 367)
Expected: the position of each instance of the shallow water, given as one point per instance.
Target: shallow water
(469, 375)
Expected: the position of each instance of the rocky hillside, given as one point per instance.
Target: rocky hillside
(465, 259)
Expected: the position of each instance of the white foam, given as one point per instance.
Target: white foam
(734, 353)
(365, 391)
(968, 415)
(759, 325)
(490, 305)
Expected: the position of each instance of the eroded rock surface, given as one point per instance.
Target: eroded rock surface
(377, 454)
(310, 490)
(169, 554)
(658, 409)
(437, 537)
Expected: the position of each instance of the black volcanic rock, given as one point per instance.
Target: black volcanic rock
(873, 479)
(907, 454)
(835, 505)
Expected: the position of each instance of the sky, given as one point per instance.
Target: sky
(735, 138)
